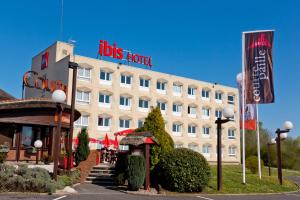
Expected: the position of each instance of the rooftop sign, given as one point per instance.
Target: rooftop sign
(105, 49)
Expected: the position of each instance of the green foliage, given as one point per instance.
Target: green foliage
(290, 149)
(183, 170)
(136, 172)
(47, 159)
(3, 156)
(75, 176)
(24, 179)
(83, 149)
(63, 181)
(252, 164)
(155, 123)
(120, 167)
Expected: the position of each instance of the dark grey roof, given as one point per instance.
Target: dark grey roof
(5, 96)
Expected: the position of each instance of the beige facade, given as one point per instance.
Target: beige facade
(114, 97)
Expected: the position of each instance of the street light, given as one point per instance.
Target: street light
(281, 135)
(59, 97)
(272, 142)
(227, 113)
(37, 144)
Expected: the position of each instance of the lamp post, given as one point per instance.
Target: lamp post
(272, 142)
(59, 97)
(281, 135)
(37, 144)
(227, 113)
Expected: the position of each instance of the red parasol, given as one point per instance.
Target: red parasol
(75, 141)
(124, 132)
(116, 143)
(93, 140)
(106, 141)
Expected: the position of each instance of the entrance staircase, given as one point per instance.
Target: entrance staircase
(102, 174)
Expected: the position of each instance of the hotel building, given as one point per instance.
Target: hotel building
(113, 97)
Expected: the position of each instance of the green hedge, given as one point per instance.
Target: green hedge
(252, 164)
(121, 169)
(136, 172)
(183, 170)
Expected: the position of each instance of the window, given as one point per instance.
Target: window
(232, 151)
(84, 73)
(104, 98)
(205, 112)
(218, 113)
(82, 121)
(144, 82)
(143, 103)
(192, 110)
(206, 131)
(104, 121)
(193, 146)
(177, 89)
(205, 94)
(230, 99)
(192, 129)
(177, 108)
(162, 105)
(178, 145)
(160, 85)
(126, 79)
(124, 123)
(125, 101)
(177, 128)
(206, 149)
(191, 91)
(140, 123)
(231, 134)
(218, 96)
(105, 76)
(82, 96)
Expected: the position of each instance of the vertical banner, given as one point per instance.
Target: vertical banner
(258, 65)
(45, 59)
(249, 109)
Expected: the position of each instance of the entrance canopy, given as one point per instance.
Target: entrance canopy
(138, 138)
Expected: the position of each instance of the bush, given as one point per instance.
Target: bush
(75, 176)
(63, 181)
(24, 179)
(3, 156)
(136, 172)
(156, 124)
(121, 166)
(252, 164)
(183, 170)
(83, 149)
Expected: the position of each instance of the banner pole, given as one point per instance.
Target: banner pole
(258, 142)
(243, 109)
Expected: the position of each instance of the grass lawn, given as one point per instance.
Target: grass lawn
(232, 181)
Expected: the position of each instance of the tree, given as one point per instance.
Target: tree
(155, 123)
(83, 149)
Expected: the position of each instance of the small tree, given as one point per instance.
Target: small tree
(136, 172)
(155, 123)
(83, 149)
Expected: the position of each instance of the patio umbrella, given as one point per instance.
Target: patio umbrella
(106, 141)
(75, 141)
(124, 132)
(116, 143)
(93, 140)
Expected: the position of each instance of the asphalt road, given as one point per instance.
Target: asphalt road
(94, 192)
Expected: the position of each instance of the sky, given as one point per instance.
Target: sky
(195, 39)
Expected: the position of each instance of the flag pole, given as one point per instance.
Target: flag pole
(258, 142)
(243, 109)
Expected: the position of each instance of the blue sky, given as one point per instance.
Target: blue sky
(196, 39)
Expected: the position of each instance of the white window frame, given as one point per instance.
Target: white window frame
(144, 105)
(190, 111)
(126, 84)
(193, 147)
(140, 121)
(178, 109)
(192, 92)
(105, 104)
(159, 104)
(231, 133)
(124, 123)
(232, 151)
(205, 94)
(107, 78)
(218, 113)
(82, 100)
(80, 123)
(161, 87)
(192, 130)
(217, 99)
(104, 126)
(127, 103)
(177, 89)
(143, 86)
(178, 145)
(85, 76)
(206, 132)
(206, 150)
(230, 101)
(205, 113)
(178, 129)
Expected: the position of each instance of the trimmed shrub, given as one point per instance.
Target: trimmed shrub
(136, 172)
(3, 156)
(252, 164)
(155, 123)
(83, 149)
(63, 181)
(75, 176)
(121, 169)
(183, 170)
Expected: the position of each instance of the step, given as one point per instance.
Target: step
(103, 171)
(106, 183)
(103, 167)
(103, 178)
(101, 174)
